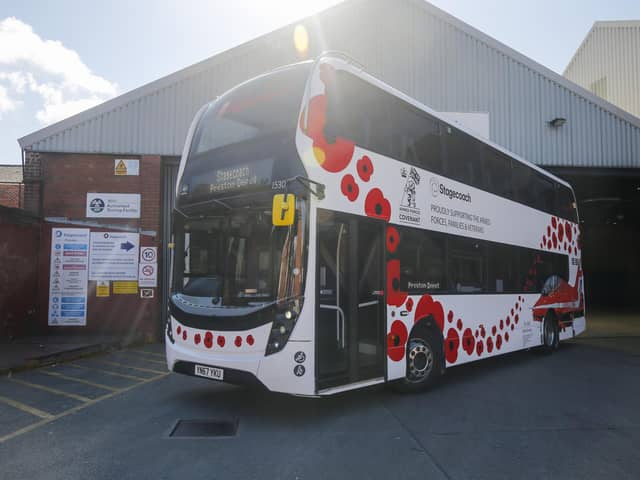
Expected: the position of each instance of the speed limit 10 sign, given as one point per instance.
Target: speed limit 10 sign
(148, 254)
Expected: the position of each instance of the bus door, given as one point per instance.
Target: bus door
(350, 293)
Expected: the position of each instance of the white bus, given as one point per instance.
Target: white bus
(332, 233)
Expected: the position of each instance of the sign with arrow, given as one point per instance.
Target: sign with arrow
(113, 256)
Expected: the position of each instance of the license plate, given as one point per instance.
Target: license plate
(209, 372)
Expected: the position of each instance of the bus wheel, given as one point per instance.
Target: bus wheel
(424, 363)
(550, 333)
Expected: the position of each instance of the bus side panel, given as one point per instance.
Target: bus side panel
(474, 326)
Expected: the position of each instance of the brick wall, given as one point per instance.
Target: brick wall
(11, 195)
(19, 247)
(66, 180)
(32, 177)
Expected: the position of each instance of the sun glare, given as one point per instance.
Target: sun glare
(301, 40)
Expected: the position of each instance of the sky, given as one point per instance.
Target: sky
(59, 58)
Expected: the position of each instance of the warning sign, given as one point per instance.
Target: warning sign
(102, 288)
(124, 166)
(148, 274)
(125, 288)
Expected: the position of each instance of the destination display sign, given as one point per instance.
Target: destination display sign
(234, 177)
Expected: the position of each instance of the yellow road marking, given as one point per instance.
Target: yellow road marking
(160, 362)
(154, 354)
(51, 418)
(108, 372)
(26, 408)
(122, 365)
(81, 380)
(50, 390)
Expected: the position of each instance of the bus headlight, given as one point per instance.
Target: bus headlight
(281, 330)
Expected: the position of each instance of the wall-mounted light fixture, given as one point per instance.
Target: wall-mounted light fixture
(557, 122)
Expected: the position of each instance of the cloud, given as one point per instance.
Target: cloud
(6, 103)
(17, 80)
(64, 83)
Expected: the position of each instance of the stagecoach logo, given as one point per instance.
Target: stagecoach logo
(438, 188)
(299, 370)
(409, 212)
(96, 205)
(300, 357)
(435, 185)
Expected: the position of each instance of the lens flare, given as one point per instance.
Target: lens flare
(301, 40)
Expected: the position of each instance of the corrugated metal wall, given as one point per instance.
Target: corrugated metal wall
(608, 63)
(414, 47)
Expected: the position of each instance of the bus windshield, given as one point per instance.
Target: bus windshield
(239, 258)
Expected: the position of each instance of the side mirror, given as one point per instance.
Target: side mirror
(283, 211)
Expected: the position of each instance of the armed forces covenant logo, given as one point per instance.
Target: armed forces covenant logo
(409, 211)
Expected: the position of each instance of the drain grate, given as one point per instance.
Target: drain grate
(204, 429)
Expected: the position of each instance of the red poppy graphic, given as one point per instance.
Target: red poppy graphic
(250, 340)
(377, 206)
(554, 222)
(349, 187)
(393, 239)
(333, 157)
(568, 231)
(208, 340)
(365, 168)
(499, 341)
(221, 340)
(489, 345)
(396, 340)
(560, 232)
(468, 341)
(238, 341)
(409, 305)
(479, 348)
(427, 306)
(197, 339)
(451, 345)
(459, 324)
(395, 297)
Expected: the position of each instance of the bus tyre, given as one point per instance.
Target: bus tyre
(424, 363)
(550, 333)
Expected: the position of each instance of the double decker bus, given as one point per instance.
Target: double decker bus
(331, 233)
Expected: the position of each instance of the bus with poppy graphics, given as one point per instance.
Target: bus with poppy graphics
(331, 233)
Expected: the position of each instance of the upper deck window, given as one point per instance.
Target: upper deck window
(258, 108)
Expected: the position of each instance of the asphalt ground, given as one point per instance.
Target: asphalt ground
(574, 414)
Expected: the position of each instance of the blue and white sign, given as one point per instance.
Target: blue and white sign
(68, 277)
(114, 256)
(113, 205)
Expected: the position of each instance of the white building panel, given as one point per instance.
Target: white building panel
(608, 63)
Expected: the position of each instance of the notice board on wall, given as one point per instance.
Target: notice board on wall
(68, 277)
